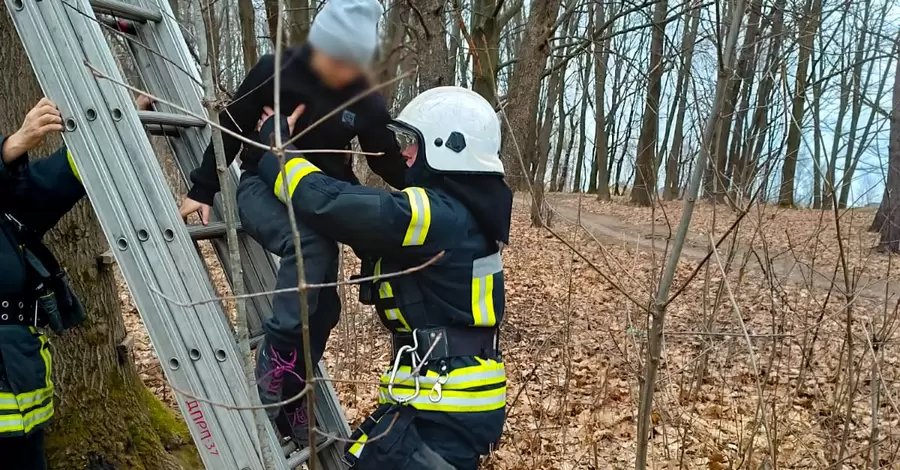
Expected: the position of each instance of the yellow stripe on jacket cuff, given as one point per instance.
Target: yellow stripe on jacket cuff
(72, 166)
(295, 170)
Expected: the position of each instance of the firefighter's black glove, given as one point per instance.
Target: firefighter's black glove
(267, 131)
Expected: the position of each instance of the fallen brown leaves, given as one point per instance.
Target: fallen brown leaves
(574, 345)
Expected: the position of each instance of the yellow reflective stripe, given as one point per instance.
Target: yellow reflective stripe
(48, 364)
(296, 169)
(19, 423)
(357, 448)
(420, 219)
(483, 313)
(385, 291)
(483, 271)
(454, 401)
(23, 401)
(394, 314)
(72, 166)
(489, 373)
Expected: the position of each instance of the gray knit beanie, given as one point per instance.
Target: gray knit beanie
(347, 30)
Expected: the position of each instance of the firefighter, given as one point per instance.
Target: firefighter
(322, 74)
(34, 290)
(456, 203)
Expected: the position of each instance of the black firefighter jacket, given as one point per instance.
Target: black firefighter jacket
(36, 194)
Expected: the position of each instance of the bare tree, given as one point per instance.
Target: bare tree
(524, 86)
(809, 24)
(644, 191)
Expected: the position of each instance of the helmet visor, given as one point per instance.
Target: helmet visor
(408, 140)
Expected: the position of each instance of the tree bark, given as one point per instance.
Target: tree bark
(644, 190)
(272, 21)
(524, 88)
(105, 417)
(300, 15)
(599, 174)
(432, 55)
(391, 51)
(248, 33)
(486, 22)
(890, 228)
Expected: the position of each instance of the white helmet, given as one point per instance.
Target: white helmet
(456, 129)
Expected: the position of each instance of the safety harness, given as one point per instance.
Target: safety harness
(51, 302)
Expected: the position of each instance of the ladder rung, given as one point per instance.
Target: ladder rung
(288, 447)
(123, 26)
(168, 131)
(127, 11)
(169, 119)
(301, 457)
(213, 230)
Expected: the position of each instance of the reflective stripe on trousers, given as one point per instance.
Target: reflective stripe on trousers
(22, 412)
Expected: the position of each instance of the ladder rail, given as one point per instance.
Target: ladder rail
(153, 248)
(121, 222)
(166, 77)
(218, 338)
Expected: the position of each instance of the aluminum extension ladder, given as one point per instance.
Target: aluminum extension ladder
(155, 251)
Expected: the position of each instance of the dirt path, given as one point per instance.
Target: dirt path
(611, 230)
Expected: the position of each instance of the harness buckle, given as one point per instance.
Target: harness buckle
(416, 360)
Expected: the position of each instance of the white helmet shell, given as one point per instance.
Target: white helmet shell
(459, 130)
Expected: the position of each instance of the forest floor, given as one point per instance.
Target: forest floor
(772, 331)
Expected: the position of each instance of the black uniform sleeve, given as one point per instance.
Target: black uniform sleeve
(414, 222)
(240, 116)
(43, 191)
(376, 137)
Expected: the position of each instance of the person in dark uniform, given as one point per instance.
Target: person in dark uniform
(34, 291)
(444, 318)
(321, 75)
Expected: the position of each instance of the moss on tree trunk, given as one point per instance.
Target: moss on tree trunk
(105, 417)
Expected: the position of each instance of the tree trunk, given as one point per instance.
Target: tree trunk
(486, 23)
(248, 33)
(524, 88)
(391, 49)
(272, 22)
(644, 190)
(851, 160)
(744, 74)
(810, 25)
(555, 98)
(105, 417)
(582, 135)
(817, 134)
(692, 23)
(546, 126)
(558, 151)
(747, 167)
(890, 229)
(599, 175)
(432, 56)
(299, 14)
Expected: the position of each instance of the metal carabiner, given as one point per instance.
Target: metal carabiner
(437, 390)
(403, 350)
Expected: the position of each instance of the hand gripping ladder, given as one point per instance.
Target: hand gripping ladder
(65, 43)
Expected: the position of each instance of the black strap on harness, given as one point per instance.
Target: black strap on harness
(20, 312)
(58, 306)
(451, 341)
